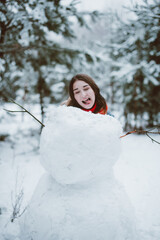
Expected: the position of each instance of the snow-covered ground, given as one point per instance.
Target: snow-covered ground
(138, 169)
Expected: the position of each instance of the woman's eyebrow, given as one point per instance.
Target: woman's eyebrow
(75, 89)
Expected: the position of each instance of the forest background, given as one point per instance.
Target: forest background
(44, 43)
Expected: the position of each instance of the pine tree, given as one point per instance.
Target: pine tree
(136, 55)
(31, 38)
(12, 20)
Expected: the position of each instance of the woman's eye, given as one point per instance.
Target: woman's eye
(85, 89)
(77, 92)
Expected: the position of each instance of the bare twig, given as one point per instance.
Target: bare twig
(144, 132)
(140, 132)
(153, 140)
(12, 111)
(17, 201)
(128, 133)
(24, 110)
(17, 207)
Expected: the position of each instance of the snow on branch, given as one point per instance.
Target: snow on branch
(6, 48)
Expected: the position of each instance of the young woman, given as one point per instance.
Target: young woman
(85, 94)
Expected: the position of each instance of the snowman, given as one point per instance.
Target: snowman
(78, 198)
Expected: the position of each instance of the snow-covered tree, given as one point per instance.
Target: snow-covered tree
(12, 16)
(92, 42)
(31, 41)
(135, 51)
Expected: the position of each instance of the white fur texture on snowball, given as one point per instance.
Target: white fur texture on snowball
(77, 146)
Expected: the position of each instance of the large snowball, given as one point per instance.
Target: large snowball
(77, 146)
(79, 198)
(96, 210)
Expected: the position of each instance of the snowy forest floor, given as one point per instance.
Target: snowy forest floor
(138, 169)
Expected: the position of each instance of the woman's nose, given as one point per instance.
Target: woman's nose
(83, 93)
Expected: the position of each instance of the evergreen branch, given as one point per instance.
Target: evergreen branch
(5, 48)
(9, 48)
(24, 110)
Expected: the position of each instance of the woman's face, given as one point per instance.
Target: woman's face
(83, 94)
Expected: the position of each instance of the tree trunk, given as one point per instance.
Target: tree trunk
(41, 96)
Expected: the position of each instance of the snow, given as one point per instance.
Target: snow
(57, 90)
(78, 197)
(137, 170)
(73, 138)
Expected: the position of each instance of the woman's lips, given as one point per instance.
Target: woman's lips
(87, 101)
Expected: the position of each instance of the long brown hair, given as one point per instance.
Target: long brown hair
(99, 100)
